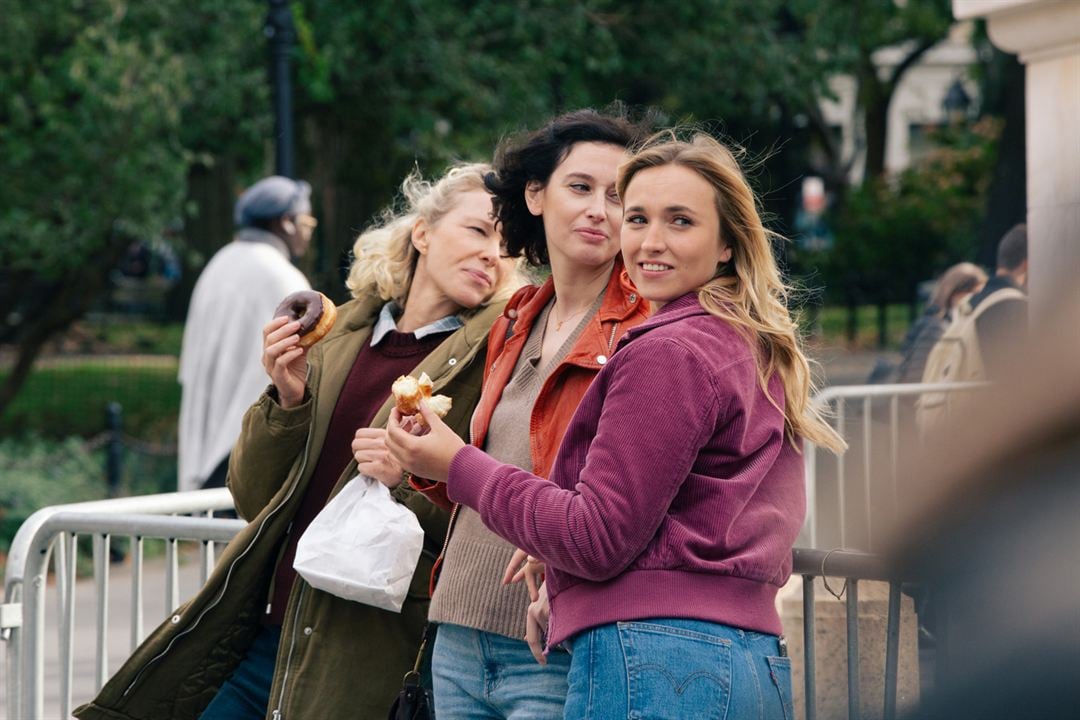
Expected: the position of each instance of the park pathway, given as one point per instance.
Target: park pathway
(119, 635)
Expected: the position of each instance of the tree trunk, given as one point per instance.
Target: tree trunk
(212, 192)
(877, 127)
(874, 98)
(61, 304)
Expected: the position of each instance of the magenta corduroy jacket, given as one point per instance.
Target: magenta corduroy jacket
(674, 493)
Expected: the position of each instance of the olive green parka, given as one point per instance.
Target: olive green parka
(337, 658)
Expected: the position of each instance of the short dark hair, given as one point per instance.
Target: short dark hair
(1012, 250)
(533, 156)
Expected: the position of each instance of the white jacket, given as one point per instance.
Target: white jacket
(221, 370)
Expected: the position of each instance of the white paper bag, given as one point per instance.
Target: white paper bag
(362, 546)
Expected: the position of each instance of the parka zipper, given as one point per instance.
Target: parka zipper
(228, 575)
(292, 646)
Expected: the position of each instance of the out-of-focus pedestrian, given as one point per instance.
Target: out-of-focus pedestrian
(235, 296)
(956, 284)
(1001, 307)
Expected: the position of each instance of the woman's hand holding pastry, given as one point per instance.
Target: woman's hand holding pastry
(373, 458)
(284, 360)
(428, 455)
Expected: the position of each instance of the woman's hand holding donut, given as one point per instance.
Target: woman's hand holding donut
(373, 459)
(284, 360)
(428, 455)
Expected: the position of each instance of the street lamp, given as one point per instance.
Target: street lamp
(956, 103)
(279, 30)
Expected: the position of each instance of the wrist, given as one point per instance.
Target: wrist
(288, 401)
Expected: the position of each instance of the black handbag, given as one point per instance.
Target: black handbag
(413, 701)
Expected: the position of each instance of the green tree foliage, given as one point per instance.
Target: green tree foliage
(847, 36)
(386, 84)
(104, 106)
(119, 118)
(896, 233)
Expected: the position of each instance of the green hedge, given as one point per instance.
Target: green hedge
(37, 472)
(68, 397)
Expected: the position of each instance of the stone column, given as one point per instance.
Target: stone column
(1046, 36)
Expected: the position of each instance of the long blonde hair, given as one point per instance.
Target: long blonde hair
(748, 291)
(384, 258)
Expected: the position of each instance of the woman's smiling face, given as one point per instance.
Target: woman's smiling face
(671, 232)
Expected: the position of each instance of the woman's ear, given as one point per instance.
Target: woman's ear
(534, 197)
(419, 236)
(725, 254)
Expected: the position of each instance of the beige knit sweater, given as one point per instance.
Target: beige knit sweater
(470, 590)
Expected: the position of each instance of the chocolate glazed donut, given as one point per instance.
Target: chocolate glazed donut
(315, 311)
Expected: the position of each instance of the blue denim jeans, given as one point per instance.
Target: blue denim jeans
(675, 668)
(478, 674)
(246, 694)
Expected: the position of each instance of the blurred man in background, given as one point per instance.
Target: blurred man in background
(220, 370)
(1001, 319)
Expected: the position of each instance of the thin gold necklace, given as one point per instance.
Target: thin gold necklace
(558, 322)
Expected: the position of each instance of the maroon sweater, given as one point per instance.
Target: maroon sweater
(364, 392)
(674, 493)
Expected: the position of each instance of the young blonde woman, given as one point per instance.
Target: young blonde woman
(668, 519)
(258, 641)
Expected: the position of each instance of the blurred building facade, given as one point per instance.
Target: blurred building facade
(939, 83)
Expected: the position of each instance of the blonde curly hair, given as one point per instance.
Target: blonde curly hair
(384, 259)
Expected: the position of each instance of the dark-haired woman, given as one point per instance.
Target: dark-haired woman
(556, 203)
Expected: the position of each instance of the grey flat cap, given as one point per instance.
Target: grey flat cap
(270, 198)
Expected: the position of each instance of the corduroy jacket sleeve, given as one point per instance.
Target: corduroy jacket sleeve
(271, 439)
(634, 440)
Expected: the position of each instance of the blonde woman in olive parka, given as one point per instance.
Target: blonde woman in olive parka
(256, 633)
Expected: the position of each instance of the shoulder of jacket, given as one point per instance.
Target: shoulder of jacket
(479, 324)
(703, 340)
(522, 296)
(994, 299)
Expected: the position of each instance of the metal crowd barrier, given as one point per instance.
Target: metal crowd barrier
(52, 534)
(877, 422)
(60, 527)
(852, 567)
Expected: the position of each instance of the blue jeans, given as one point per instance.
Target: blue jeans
(675, 668)
(246, 694)
(478, 674)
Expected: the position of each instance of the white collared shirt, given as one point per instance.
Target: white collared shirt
(387, 322)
